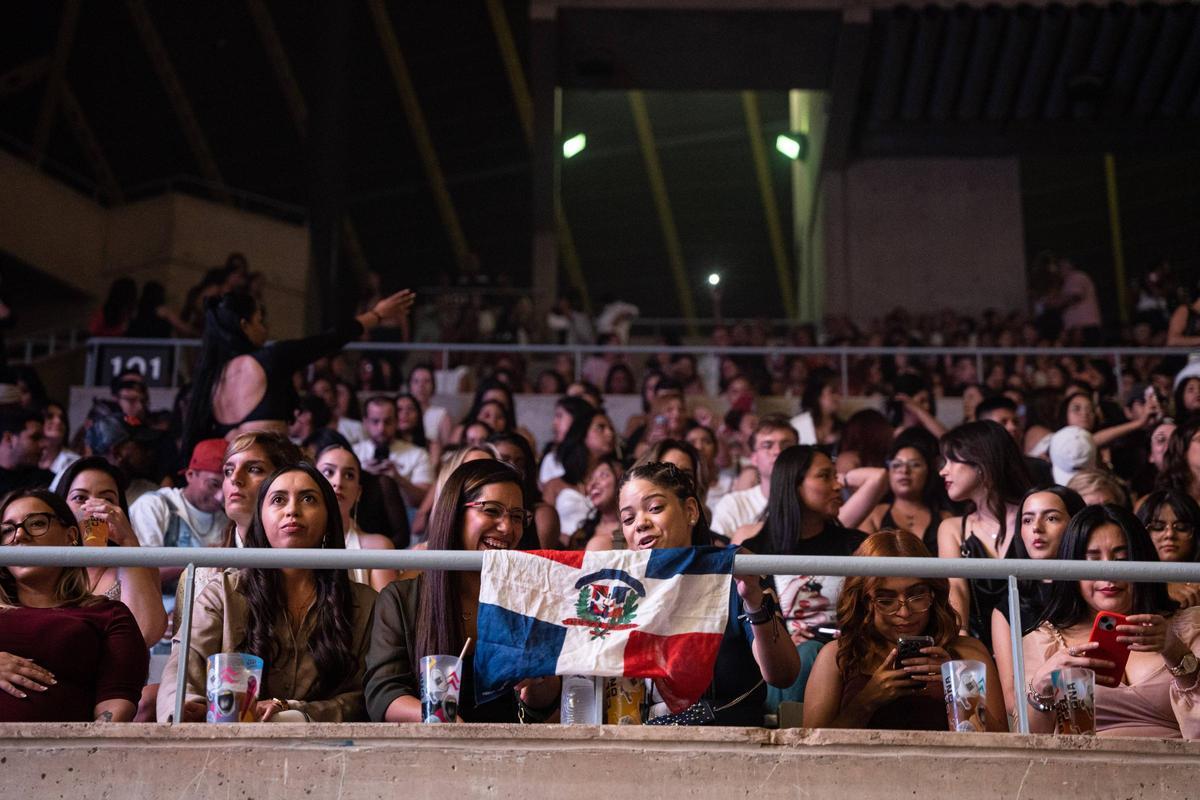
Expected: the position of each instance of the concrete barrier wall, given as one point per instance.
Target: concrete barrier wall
(456, 762)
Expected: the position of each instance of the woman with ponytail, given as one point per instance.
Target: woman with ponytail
(243, 384)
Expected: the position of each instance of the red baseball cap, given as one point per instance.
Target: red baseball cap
(208, 455)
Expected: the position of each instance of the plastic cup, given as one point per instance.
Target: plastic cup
(1074, 701)
(965, 687)
(95, 532)
(232, 688)
(441, 680)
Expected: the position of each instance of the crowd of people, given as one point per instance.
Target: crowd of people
(294, 444)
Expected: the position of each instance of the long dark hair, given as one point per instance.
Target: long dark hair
(785, 514)
(1066, 606)
(98, 464)
(572, 450)
(1181, 503)
(1181, 412)
(985, 445)
(1071, 500)
(1176, 473)
(223, 340)
(933, 494)
(417, 435)
(331, 642)
(439, 628)
(491, 384)
(810, 401)
(667, 476)
(121, 301)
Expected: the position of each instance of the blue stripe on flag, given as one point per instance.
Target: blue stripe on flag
(512, 647)
(668, 563)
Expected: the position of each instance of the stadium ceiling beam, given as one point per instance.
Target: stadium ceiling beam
(73, 113)
(762, 170)
(56, 81)
(849, 63)
(523, 99)
(662, 203)
(20, 78)
(420, 130)
(272, 45)
(186, 116)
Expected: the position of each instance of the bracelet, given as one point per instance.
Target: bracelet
(1039, 702)
(528, 715)
(762, 615)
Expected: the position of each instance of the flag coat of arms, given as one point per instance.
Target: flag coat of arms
(657, 614)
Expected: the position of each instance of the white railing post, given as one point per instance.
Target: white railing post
(185, 641)
(1016, 628)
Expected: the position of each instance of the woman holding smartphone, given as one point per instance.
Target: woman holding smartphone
(858, 681)
(1158, 693)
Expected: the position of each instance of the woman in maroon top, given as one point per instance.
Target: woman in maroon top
(65, 654)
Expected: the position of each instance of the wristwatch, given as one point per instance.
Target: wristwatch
(1186, 666)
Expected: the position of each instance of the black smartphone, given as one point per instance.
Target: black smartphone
(381, 452)
(910, 647)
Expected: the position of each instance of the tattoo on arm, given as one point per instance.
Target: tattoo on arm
(105, 716)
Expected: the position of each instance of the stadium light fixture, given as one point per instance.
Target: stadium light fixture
(574, 145)
(792, 145)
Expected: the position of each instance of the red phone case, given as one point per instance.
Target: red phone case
(1104, 631)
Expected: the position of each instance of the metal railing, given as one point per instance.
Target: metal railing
(743, 564)
(843, 354)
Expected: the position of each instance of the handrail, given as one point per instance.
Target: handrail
(842, 352)
(267, 558)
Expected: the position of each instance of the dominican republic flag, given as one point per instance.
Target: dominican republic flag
(656, 614)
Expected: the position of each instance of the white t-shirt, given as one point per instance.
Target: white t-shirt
(551, 468)
(737, 509)
(806, 431)
(432, 418)
(718, 490)
(351, 429)
(411, 462)
(572, 508)
(165, 517)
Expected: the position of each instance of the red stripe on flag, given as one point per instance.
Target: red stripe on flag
(681, 666)
(570, 558)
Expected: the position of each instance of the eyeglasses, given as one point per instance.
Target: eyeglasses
(1182, 527)
(36, 525)
(916, 603)
(494, 510)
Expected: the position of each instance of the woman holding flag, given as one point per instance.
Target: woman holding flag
(660, 509)
(481, 507)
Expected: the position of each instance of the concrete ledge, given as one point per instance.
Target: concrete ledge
(512, 761)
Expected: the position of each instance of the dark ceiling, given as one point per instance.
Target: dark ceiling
(907, 81)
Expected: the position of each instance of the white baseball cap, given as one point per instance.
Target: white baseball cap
(1072, 449)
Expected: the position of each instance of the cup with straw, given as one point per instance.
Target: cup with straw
(441, 681)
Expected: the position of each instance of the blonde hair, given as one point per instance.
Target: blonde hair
(455, 459)
(73, 588)
(1097, 480)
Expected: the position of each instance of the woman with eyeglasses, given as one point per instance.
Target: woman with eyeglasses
(1171, 518)
(1158, 694)
(915, 500)
(858, 683)
(480, 507)
(309, 626)
(68, 655)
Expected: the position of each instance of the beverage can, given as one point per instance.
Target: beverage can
(623, 698)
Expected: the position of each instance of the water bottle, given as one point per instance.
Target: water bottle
(580, 701)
